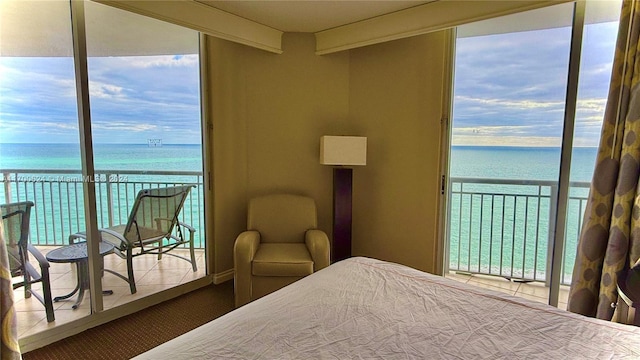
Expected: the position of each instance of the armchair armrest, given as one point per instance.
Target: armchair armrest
(318, 244)
(244, 250)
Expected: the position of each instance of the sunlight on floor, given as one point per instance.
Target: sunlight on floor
(151, 276)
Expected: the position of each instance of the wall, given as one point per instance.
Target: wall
(269, 112)
(395, 100)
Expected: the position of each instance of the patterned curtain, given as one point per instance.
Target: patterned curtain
(610, 236)
(9, 348)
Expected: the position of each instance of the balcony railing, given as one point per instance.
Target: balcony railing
(59, 199)
(501, 227)
(496, 227)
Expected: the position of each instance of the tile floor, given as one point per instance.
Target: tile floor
(536, 291)
(151, 276)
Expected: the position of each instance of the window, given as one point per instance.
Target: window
(508, 120)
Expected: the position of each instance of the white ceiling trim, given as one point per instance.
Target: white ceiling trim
(206, 19)
(418, 20)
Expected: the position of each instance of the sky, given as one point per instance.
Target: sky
(132, 99)
(509, 89)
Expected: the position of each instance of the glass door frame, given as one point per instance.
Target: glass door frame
(98, 314)
(571, 100)
(556, 249)
(86, 151)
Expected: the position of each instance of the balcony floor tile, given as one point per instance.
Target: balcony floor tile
(151, 276)
(536, 291)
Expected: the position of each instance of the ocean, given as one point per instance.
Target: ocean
(501, 226)
(523, 163)
(168, 157)
(494, 228)
(52, 180)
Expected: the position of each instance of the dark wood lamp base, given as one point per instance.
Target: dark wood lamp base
(342, 188)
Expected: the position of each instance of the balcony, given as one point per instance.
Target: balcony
(504, 228)
(499, 233)
(152, 276)
(59, 212)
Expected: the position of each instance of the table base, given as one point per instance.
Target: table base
(82, 270)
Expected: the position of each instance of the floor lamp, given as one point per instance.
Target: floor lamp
(342, 152)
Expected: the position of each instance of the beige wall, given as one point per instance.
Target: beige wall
(269, 112)
(395, 100)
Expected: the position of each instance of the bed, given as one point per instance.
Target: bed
(370, 309)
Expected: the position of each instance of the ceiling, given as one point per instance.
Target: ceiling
(310, 15)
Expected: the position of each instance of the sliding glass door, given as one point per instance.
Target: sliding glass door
(144, 96)
(508, 120)
(144, 86)
(40, 146)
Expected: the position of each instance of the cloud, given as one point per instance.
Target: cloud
(131, 98)
(105, 91)
(510, 89)
(518, 104)
(122, 126)
(506, 140)
(163, 61)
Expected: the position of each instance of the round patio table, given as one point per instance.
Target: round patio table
(77, 253)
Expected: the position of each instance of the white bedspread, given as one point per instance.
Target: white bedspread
(364, 309)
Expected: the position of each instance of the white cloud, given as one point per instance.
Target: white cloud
(494, 130)
(105, 91)
(122, 126)
(162, 61)
(506, 140)
(520, 104)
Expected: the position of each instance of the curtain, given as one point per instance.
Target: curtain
(610, 236)
(9, 348)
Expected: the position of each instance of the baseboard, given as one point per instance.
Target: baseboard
(224, 276)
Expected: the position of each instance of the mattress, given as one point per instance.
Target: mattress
(362, 308)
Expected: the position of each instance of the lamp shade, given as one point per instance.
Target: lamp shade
(343, 150)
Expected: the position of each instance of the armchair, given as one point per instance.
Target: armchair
(282, 245)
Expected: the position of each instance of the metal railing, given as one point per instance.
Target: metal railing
(59, 199)
(505, 227)
(496, 227)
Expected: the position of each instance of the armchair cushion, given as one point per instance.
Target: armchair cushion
(282, 259)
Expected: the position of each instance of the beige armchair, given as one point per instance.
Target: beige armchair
(281, 245)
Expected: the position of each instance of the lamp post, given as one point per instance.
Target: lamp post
(342, 152)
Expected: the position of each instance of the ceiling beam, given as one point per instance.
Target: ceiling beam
(206, 19)
(418, 20)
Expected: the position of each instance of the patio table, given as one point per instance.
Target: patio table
(77, 253)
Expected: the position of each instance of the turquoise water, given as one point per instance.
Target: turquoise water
(167, 157)
(58, 197)
(503, 229)
(523, 163)
(503, 234)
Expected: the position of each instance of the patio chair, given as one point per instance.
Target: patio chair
(15, 219)
(152, 228)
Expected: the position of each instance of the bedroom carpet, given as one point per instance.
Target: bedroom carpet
(134, 334)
